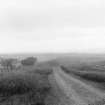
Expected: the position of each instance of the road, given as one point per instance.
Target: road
(76, 91)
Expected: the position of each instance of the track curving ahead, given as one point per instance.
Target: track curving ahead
(74, 91)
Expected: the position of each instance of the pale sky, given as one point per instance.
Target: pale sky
(52, 26)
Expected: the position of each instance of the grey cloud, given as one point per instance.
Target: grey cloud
(90, 17)
(30, 20)
(27, 20)
(24, 22)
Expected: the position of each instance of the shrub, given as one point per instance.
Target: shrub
(8, 64)
(28, 61)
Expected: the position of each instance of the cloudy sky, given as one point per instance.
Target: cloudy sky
(52, 26)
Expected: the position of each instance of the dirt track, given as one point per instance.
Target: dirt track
(76, 91)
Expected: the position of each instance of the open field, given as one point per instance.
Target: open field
(60, 80)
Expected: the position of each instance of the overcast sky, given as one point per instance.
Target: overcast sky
(52, 26)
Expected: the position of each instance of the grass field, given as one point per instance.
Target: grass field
(32, 86)
(40, 84)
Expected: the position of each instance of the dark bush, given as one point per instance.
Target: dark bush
(28, 61)
(100, 78)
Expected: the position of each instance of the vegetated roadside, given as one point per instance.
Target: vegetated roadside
(94, 78)
(35, 85)
(24, 87)
(79, 91)
(31, 85)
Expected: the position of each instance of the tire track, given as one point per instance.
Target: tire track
(76, 90)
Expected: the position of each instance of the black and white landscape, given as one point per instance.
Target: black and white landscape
(63, 79)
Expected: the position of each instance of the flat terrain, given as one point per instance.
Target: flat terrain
(68, 80)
